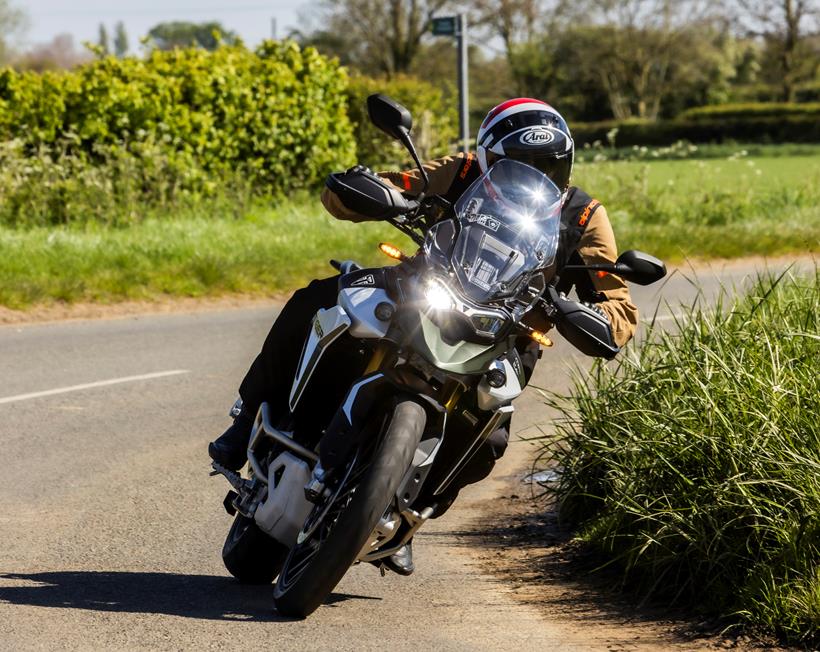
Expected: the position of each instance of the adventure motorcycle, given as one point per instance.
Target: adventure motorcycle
(402, 381)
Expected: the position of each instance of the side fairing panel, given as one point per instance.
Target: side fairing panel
(360, 305)
(490, 398)
(327, 326)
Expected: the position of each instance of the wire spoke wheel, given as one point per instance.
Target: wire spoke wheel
(336, 531)
(320, 522)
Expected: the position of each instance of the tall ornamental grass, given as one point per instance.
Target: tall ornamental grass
(694, 464)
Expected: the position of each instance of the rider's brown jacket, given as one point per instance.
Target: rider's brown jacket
(597, 244)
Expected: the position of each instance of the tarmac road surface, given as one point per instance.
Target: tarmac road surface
(111, 528)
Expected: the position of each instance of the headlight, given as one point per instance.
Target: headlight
(438, 296)
(487, 324)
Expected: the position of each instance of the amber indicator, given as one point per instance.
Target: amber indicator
(542, 339)
(393, 252)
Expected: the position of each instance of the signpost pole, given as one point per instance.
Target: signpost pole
(463, 96)
(457, 26)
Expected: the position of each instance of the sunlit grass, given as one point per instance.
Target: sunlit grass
(124, 232)
(269, 251)
(694, 463)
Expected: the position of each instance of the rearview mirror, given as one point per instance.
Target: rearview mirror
(389, 116)
(395, 120)
(638, 267)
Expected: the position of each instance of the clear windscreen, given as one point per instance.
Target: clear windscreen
(508, 227)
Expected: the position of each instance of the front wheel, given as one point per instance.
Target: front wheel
(327, 548)
(250, 555)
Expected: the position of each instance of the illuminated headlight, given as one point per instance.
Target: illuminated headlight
(438, 296)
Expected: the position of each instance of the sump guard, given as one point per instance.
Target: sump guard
(285, 508)
(327, 326)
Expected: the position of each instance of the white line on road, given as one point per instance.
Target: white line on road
(99, 383)
(664, 318)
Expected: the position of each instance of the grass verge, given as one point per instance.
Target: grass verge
(266, 251)
(694, 464)
(76, 237)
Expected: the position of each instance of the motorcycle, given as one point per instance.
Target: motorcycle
(402, 381)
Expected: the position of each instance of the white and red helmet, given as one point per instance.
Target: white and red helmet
(530, 131)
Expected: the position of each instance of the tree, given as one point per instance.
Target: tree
(120, 40)
(168, 36)
(785, 26)
(639, 49)
(375, 36)
(12, 23)
(103, 41)
(60, 53)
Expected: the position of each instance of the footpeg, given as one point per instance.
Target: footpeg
(232, 477)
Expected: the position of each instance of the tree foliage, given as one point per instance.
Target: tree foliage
(181, 34)
(12, 23)
(103, 41)
(120, 40)
(58, 54)
(376, 37)
(787, 27)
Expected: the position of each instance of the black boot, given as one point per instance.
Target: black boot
(401, 561)
(230, 449)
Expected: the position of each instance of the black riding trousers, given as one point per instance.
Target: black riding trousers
(271, 374)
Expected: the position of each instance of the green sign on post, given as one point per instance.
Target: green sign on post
(445, 26)
(456, 26)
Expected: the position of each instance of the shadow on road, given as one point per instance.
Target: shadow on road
(191, 596)
(523, 544)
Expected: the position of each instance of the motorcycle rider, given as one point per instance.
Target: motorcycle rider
(523, 129)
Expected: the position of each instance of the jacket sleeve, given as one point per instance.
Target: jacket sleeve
(597, 245)
(441, 171)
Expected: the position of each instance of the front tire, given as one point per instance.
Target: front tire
(250, 555)
(316, 565)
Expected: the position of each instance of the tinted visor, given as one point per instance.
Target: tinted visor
(558, 169)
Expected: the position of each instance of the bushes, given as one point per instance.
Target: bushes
(278, 111)
(752, 110)
(753, 122)
(434, 117)
(797, 128)
(696, 462)
(115, 138)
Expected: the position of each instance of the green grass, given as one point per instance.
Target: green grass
(136, 229)
(716, 208)
(269, 250)
(694, 463)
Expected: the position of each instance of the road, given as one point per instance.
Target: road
(111, 528)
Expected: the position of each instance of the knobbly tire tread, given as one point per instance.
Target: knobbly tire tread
(253, 557)
(340, 549)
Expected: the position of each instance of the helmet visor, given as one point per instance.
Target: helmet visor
(558, 169)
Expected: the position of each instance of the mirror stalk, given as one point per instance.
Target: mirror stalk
(408, 143)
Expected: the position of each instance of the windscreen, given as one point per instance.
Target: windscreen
(508, 229)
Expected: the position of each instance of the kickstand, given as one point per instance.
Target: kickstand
(383, 569)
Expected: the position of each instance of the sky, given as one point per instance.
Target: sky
(251, 19)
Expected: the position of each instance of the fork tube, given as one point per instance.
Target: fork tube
(376, 359)
(453, 396)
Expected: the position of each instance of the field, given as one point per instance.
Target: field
(694, 462)
(731, 206)
(711, 208)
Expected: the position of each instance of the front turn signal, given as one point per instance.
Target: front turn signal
(542, 339)
(392, 252)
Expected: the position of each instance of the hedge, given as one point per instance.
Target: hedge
(752, 110)
(786, 129)
(434, 120)
(278, 112)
